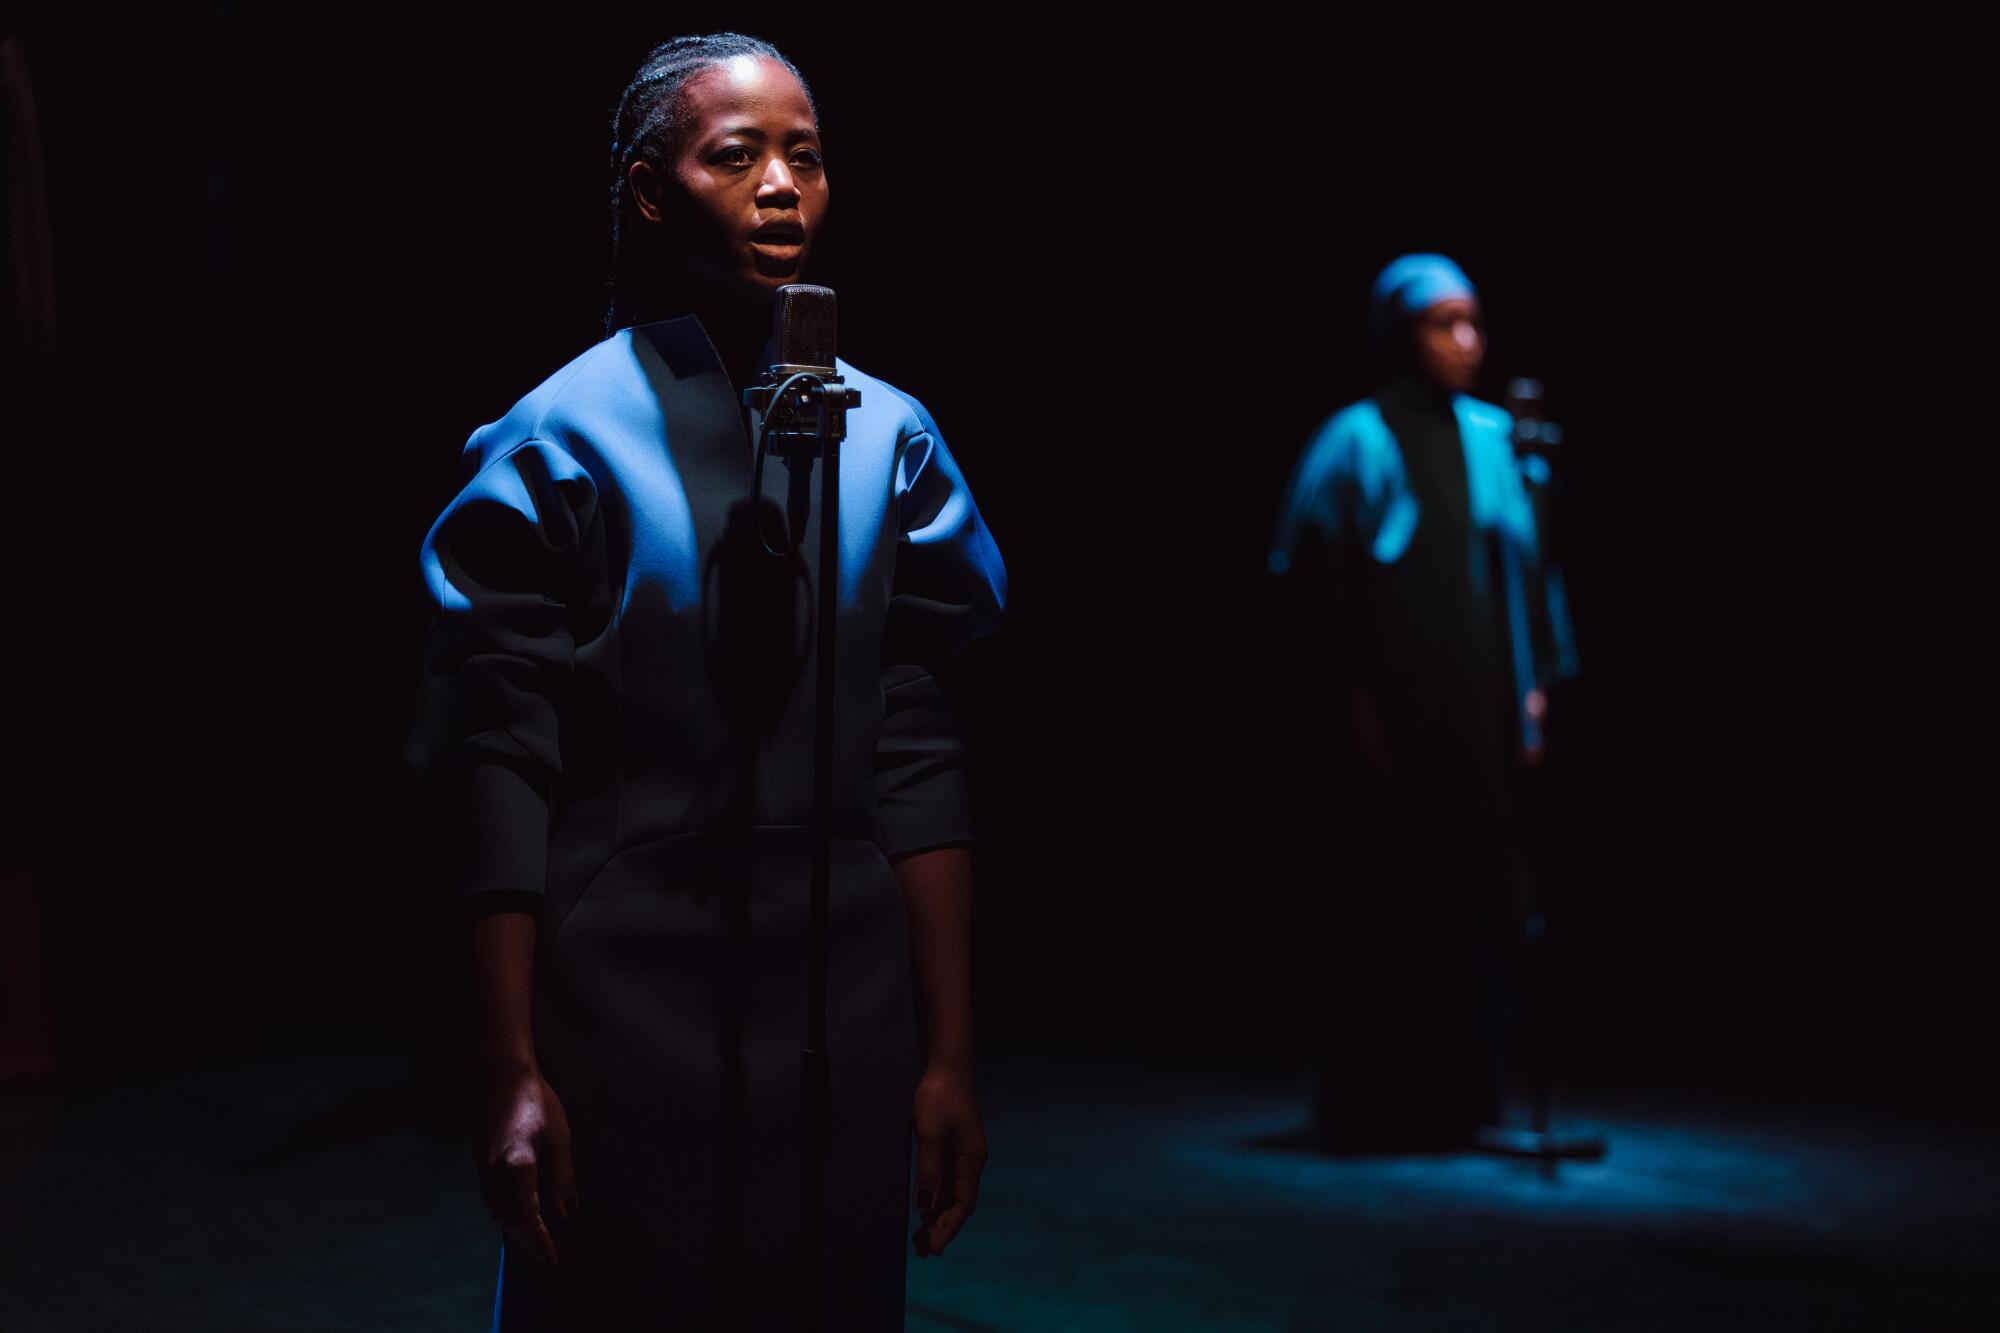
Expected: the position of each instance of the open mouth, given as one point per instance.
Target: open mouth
(779, 234)
(777, 249)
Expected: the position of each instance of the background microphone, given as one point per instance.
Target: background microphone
(1534, 434)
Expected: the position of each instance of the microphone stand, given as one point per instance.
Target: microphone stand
(1538, 438)
(777, 413)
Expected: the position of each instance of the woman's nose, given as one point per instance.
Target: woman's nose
(777, 189)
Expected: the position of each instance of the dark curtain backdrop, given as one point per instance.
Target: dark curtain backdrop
(302, 253)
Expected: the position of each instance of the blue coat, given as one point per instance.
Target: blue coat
(631, 727)
(1349, 493)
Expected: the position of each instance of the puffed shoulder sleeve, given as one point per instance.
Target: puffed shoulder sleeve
(1322, 498)
(515, 572)
(1316, 556)
(949, 588)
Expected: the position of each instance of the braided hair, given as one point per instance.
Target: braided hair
(647, 126)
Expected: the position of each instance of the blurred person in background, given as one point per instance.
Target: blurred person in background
(1417, 639)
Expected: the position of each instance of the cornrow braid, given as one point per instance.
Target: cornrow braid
(647, 127)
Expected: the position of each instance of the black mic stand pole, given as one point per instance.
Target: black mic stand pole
(815, 1072)
(1534, 435)
(800, 444)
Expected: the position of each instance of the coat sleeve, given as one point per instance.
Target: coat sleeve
(1317, 558)
(949, 588)
(514, 569)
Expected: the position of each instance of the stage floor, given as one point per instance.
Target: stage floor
(1125, 1193)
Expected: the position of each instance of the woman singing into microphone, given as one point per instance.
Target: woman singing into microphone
(630, 675)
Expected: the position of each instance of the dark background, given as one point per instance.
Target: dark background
(301, 254)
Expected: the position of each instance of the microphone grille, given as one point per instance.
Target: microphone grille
(805, 325)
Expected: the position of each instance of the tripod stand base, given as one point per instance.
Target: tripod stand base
(1542, 1145)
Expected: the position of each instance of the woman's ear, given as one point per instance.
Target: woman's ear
(644, 182)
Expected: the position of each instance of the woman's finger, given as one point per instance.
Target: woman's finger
(934, 1200)
(947, 1225)
(500, 1188)
(523, 1202)
(524, 1209)
(961, 1199)
(534, 1240)
(561, 1170)
(930, 1171)
(966, 1166)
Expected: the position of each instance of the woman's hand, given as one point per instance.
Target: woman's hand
(951, 1143)
(951, 1152)
(523, 1156)
(1535, 708)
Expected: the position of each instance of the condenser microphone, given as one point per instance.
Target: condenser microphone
(804, 326)
(798, 408)
(1534, 434)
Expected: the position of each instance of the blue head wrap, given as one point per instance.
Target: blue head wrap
(1404, 289)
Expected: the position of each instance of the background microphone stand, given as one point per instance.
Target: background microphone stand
(799, 412)
(1535, 445)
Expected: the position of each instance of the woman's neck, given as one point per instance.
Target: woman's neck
(1411, 388)
(738, 327)
(740, 330)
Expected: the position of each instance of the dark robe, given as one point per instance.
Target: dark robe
(1407, 554)
(631, 684)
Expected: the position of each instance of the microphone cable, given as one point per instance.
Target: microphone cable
(800, 382)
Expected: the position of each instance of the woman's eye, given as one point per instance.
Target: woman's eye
(808, 158)
(733, 156)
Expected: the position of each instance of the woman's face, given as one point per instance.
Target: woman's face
(1450, 344)
(746, 189)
